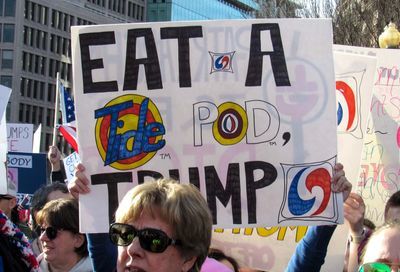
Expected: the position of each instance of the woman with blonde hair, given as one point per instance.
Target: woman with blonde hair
(172, 224)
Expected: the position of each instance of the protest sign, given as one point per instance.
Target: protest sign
(20, 137)
(354, 84)
(379, 172)
(27, 170)
(37, 136)
(270, 248)
(244, 110)
(4, 96)
(69, 165)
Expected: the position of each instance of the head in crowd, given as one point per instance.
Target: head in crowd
(220, 256)
(172, 222)
(43, 195)
(7, 204)
(392, 207)
(382, 252)
(61, 240)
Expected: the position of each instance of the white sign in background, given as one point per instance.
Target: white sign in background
(4, 97)
(20, 137)
(243, 109)
(69, 165)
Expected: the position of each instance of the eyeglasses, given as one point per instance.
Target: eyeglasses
(152, 240)
(51, 232)
(6, 197)
(375, 267)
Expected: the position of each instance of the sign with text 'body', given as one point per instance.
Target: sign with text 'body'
(242, 109)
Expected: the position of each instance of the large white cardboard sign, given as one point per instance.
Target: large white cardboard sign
(379, 173)
(270, 248)
(242, 109)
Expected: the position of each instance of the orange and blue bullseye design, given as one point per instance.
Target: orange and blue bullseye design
(319, 177)
(129, 131)
(350, 104)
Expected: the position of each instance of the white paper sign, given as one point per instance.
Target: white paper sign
(20, 137)
(69, 165)
(4, 96)
(244, 110)
(380, 164)
(37, 136)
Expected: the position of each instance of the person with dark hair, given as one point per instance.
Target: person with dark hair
(54, 157)
(64, 248)
(220, 256)
(39, 199)
(392, 208)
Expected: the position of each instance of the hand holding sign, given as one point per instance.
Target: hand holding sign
(79, 184)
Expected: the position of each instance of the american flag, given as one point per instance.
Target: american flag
(68, 127)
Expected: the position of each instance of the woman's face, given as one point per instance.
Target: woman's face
(135, 258)
(60, 251)
(384, 248)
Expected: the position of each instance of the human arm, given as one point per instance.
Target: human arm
(54, 157)
(354, 209)
(311, 251)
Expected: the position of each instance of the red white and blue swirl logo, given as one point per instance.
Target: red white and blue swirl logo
(308, 194)
(221, 62)
(346, 108)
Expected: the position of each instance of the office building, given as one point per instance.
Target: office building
(179, 10)
(35, 44)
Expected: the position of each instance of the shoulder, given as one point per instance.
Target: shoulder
(212, 265)
(84, 265)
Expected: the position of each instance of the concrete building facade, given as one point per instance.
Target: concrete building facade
(35, 44)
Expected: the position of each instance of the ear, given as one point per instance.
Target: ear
(79, 240)
(188, 264)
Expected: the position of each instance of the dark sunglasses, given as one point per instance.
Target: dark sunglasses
(152, 240)
(375, 267)
(51, 232)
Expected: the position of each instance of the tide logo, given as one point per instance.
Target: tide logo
(129, 131)
(308, 194)
(346, 106)
(221, 62)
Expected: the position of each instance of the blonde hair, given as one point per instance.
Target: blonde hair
(181, 206)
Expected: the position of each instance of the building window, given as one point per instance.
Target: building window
(7, 59)
(41, 91)
(34, 112)
(40, 115)
(22, 87)
(9, 8)
(48, 139)
(8, 33)
(6, 81)
(1, 7)
(27, 113)
(21, 113)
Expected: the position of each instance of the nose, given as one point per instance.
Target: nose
(43, 236)
(134, 249)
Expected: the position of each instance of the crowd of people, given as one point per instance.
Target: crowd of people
(158, 214)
